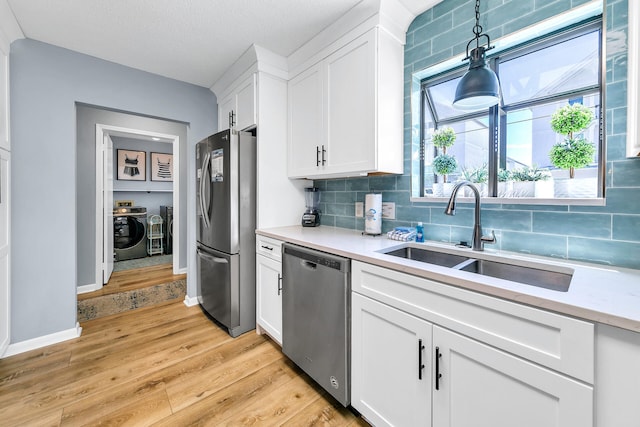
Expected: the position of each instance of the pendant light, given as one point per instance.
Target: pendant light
(479, 87)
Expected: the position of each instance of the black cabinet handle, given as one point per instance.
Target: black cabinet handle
(279, 284)
(232, 119)
(420, 364)
(323, 159)
(438, 374)
(267, 248)
(317, 155)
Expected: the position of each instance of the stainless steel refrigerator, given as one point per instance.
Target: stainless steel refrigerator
(226, 220)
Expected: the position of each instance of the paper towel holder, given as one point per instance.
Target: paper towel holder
(373, 214)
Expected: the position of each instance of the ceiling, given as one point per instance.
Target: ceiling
(190, 40)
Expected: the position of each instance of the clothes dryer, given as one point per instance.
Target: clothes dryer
(130, 232)
(166, 212)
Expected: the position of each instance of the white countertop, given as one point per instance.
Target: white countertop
(603, 294)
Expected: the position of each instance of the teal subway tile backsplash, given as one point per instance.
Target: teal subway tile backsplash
(573, 224)
(346, 197)
(345, 222)
(623, 254)
(382, 183)
(607, 234)
(626, 172)
(506, 220)
(357, 184)
(619, 121)
(463, 217)
(617, 146)
(617, 94)
(534, 243)
(626, 227)
(336, 185)
(625, 200)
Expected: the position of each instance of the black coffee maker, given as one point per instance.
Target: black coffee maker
(311, 216)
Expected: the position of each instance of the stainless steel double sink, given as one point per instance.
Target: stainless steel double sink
(529, 275)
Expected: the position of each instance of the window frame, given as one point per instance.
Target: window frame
(498, 114)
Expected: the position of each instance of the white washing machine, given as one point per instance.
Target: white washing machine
(130, 232)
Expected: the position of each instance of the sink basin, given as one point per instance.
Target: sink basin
(531, 276)
(539, 277)
(442, 259)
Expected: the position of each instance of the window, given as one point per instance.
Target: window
(506, 150)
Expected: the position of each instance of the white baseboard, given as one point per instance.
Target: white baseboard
(43, 341)
(83, 289)
(190, 301)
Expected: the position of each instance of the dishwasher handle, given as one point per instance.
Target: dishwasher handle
(308, 264)
(313, 259)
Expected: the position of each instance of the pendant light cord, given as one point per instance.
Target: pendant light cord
(477, 32)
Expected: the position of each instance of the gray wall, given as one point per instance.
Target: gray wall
(148, 147)
(46, 83)
(87, 118)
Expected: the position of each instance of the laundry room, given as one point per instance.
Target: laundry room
(142, 200)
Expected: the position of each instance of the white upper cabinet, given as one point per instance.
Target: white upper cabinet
(305, 110)
(345, 112)
(238, 109)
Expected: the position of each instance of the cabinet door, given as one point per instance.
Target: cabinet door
(351, 106)
(269, 296)
(306, 136)
(225, 108)
(246, 104)
(388, 347)
(481, 386)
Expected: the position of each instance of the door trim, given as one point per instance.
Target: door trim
(103, 130)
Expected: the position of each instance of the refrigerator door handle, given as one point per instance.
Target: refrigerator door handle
(213, 258)
(204, 206)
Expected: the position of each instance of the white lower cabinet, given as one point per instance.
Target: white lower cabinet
(390, 386)
(481, 386)
(269, 288)
(420, 359)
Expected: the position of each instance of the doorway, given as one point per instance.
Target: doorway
(109, 171)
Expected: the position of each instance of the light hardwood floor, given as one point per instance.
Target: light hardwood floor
(127, 280)
(164, 365)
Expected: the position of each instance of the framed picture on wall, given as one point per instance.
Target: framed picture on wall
(132, 165)
(161, 167)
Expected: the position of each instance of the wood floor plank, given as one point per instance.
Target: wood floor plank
(122, 281)
(20, 370)
(84, 378)
(278, 406)
(113, 398)
(323, 411)
(210, 380)
(166, 365)
(47, 419)
(151, 407)
(233, 399)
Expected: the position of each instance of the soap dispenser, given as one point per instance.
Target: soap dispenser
(419, 233)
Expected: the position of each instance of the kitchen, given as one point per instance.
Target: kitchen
(42, 308)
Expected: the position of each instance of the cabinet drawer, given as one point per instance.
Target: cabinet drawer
(559, 342)
(268, 247)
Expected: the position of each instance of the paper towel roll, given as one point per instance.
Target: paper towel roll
(373, 213)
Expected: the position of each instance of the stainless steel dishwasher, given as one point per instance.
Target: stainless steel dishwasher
(316, 316)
